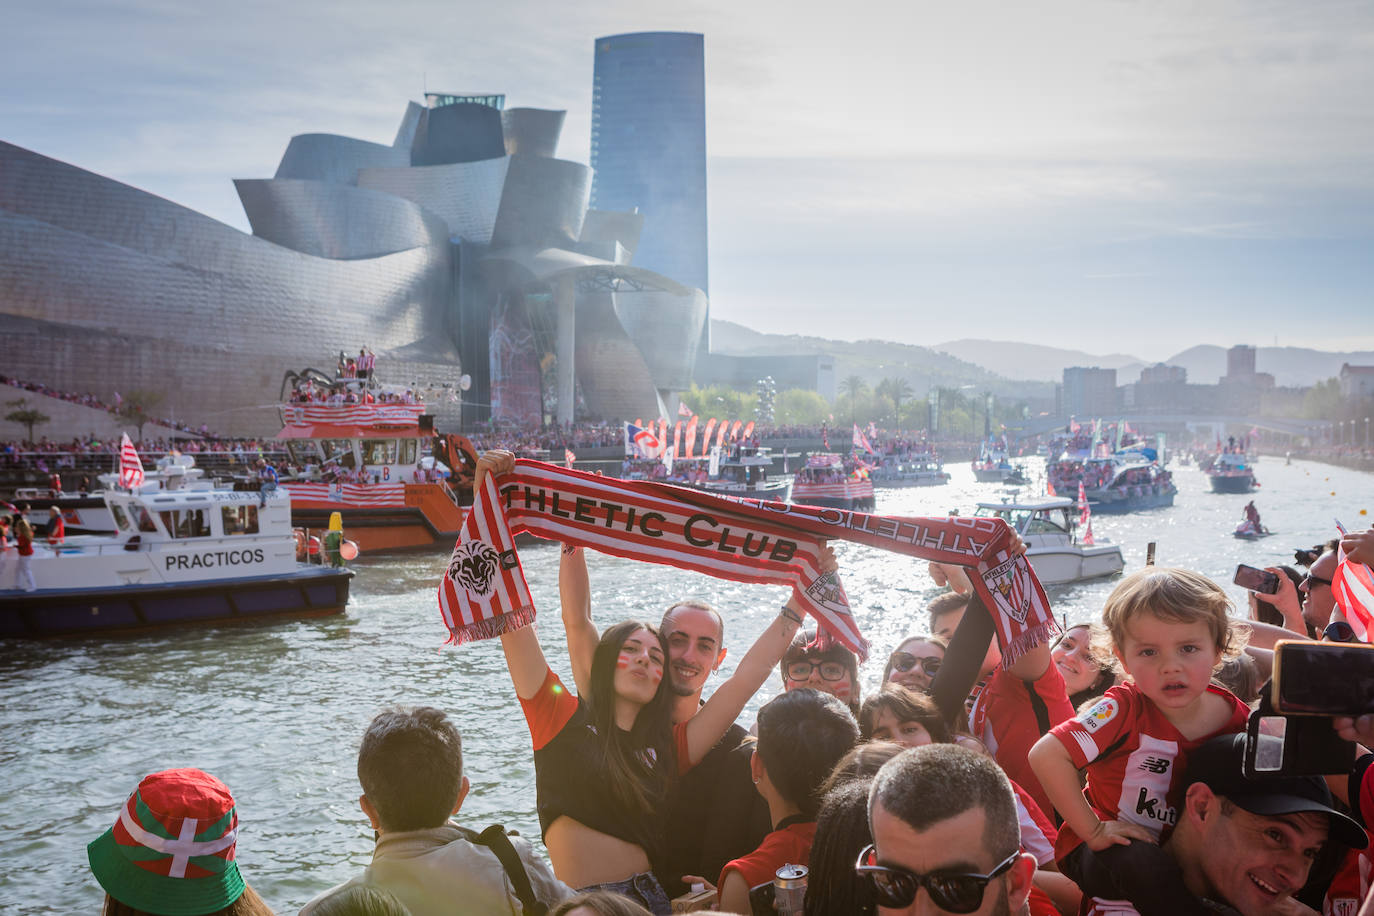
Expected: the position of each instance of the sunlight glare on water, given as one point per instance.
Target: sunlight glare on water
(276, 712)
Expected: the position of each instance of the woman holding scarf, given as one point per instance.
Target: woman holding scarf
(604, 758)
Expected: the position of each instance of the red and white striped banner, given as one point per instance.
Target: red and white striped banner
(742, 540)
(130, 465)
(377, 495)
(847, 489)
(1353, 587)
(352, 414)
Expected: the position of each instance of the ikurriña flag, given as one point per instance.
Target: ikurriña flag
(130, 466)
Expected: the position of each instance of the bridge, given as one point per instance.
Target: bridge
(1202, 426)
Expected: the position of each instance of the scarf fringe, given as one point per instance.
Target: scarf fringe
(492, 627)
(1028, 640)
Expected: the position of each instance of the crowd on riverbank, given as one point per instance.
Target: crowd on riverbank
(962, 765)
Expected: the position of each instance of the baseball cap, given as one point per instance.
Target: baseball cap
(1220, 762)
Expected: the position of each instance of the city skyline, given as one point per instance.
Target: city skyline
(1105, 177)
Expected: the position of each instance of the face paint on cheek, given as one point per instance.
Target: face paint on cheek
(842, 691)
(622, 661)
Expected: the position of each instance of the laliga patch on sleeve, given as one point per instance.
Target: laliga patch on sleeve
(1104, 712)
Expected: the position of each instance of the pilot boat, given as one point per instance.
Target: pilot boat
(1054, 551)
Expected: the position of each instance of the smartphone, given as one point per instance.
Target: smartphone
(1323, 678)
(1256, 580)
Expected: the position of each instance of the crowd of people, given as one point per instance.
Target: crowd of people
(1100, 773)
(117, 408)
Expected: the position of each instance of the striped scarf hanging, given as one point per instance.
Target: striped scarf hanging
(484, 593)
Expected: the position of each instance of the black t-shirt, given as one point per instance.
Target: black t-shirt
(715, 814)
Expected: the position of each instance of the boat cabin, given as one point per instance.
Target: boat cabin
(1049, 517)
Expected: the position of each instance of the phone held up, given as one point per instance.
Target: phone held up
(1256, 580)
(1312, 682)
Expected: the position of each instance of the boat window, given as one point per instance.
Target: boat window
(303, 451)
(240, 519)
(379, 451)
(120, 518)
(145, 521)
(341, 449)
(185, 523)
(1043, 524)
(408, 449)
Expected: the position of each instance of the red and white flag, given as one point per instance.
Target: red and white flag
(720, 433)
(1085, 516)
(734, 430)
(748, 429)
(691, 435)
(568, 457)
(483, 592)
(706, 436)
(861, 441)
(130, 466)
(683, 410)
(1353, 586)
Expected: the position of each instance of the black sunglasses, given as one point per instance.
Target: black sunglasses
(1340, 631)
(905, 661)
(1310, 580)
(896, 887)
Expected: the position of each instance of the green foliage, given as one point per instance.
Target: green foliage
(138, 407)
(28, 416)
(797, 407)
(720, 402)
(897, 390)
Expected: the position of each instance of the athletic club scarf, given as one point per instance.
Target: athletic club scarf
(484, 593)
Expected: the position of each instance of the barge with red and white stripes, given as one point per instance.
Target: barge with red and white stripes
(832, 481)
(371, 454)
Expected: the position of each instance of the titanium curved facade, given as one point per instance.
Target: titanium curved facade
(532, 131)
(485, 266)
(465, 195)
(336, 221)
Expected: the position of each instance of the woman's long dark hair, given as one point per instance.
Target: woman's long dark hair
(637, 763)
(841, 832)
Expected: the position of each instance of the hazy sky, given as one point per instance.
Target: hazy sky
(1109, 175)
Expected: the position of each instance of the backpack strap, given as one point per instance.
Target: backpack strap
(498, 841)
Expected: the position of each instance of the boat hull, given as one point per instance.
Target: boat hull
(913, 480)
(1132, 499)
(131, 609)
(1232, 483)
(853, 497)
(1076, 563)
(991, 475)
(422, 517)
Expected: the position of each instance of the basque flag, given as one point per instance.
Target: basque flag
(130, 466)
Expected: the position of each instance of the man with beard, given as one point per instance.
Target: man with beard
(946, 838)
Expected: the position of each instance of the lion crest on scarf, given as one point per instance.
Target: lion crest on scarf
(473, 566)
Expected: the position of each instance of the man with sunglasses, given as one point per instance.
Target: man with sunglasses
(1316, 587)
(946, 838)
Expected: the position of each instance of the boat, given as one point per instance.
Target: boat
(1249, 531)
(920, 470)
(1125, 481)
(189, 553)
(82, 513)
(361, 450)
(829, 480)
(1054, 551)
(1231, 472)
(993, 466)
(746, 472)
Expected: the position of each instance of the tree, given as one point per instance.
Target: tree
(899, 390)
(853, 387)
(138, 406)
(28, 416)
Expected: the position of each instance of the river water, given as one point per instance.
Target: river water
(276, 712)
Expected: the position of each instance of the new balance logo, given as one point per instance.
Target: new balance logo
(1158, 765)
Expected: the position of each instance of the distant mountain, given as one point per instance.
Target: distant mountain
(874, 360)
(1033, 361)
(1290, 366)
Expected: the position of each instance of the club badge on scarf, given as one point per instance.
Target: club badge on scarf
(483, 592)
(738, 539)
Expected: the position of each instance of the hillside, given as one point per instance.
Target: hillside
(1034, 361)
(1290, 366)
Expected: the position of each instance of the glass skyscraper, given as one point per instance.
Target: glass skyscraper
(649, 146)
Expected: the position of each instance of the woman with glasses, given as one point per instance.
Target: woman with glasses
(916, 662)
(833, 670)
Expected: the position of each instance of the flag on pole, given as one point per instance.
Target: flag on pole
(721, 432)
(691, 435)
(861, 441)
(734, 430)
(1353, 587)
(568, 457)
(748, 429)
(677, 438)
(1085, 516)
(683, 410)
(640, 443)
(706, 436)
(663, 432)
(130, 466)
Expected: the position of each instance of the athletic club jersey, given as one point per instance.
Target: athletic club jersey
(1133, 755)
(1010, 715)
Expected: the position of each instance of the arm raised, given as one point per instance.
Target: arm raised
(575, 594)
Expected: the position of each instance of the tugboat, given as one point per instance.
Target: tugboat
(1054, 552)
(747, 472)
(183, 552)
(828, 480)
(361, 449)
(916, 470)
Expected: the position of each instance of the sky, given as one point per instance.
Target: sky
(1133, 176)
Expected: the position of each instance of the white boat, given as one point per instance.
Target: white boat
(920, 471)
(828, 480)
(1054, 551)
(183, 551)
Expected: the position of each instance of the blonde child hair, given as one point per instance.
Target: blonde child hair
(1175, 595)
